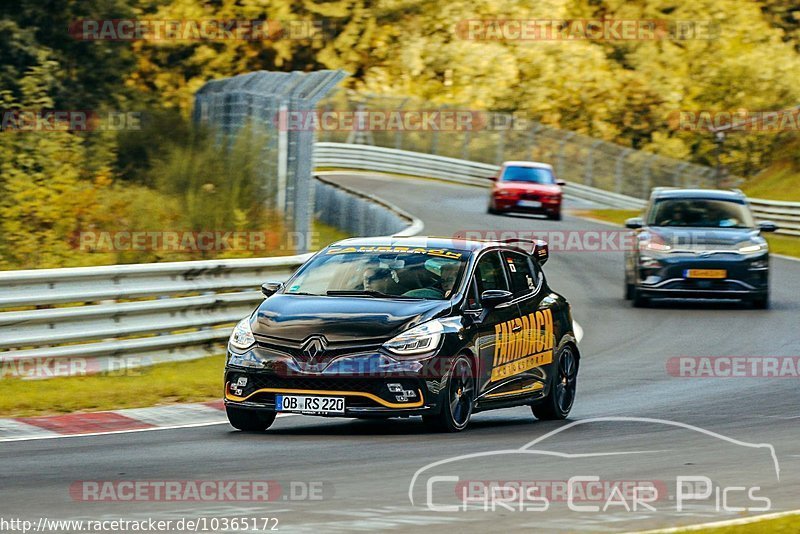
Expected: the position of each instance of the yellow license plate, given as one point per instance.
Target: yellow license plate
(705, 273)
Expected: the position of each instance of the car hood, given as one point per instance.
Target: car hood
(341, 319)
(703, 238)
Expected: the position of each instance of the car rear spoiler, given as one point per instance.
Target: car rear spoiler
(540, 250)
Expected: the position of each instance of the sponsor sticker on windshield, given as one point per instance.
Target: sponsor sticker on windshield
(441, 252)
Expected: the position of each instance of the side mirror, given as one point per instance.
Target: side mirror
(562, 183)
(495, 177)
(270, 288)
(767, 226)
(491, 298)
(541, 251)
(635, 223)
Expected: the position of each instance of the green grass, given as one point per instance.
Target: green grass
(783, 525)
(784, 244)
(166, 383)
(324, 235)
(778, 244)
(781, 181)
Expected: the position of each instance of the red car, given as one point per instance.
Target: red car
(528, 187)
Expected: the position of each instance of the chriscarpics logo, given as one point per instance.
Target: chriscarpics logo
(623, 469)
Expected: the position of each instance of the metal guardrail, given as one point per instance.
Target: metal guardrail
(785, 214)
(122, 316)
(374, 158)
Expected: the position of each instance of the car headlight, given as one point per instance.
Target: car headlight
(417, 340)
(242, 335)
(747, 248)
(646, 262)
(656, 246)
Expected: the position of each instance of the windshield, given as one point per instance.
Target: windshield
(401, 272)
(528, 174)
(700, 213)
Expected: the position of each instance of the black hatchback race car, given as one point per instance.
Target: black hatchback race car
(406, 326)
(698, 243)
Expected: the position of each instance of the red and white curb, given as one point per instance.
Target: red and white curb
(113, 422)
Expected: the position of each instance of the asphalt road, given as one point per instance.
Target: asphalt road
(365, 468)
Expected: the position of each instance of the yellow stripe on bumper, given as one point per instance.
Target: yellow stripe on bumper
(327, 392)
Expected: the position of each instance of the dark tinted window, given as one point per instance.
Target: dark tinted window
(489, 273)
(528, 174)
(523, 278)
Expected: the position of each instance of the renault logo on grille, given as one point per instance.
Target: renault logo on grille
(314, 347)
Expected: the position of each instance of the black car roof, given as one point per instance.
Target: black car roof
(713, 194)
(471, 245)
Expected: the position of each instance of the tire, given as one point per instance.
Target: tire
(558, 403)
(459, 400)
(760, 303)
(249, 420)
(491, 209)
(555, 216)
(628, 291)
(639, 301)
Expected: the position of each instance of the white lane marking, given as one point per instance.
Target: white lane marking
(89, 434)
(726, 523)
(176, 414)
(578, 330)
(10, 427)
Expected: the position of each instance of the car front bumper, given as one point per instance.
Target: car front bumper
(745, 277)
(379, 389)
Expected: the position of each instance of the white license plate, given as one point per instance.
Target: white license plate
(309, 404)
(529, 204)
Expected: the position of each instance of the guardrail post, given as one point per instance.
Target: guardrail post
(532, 138)
(562, 146)
(283, 157)
(501, 147)
(435, 138)
(588, 176)
(398, 134)
(647, 177)
(677, 175)
(619, 170)
(465, 144)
